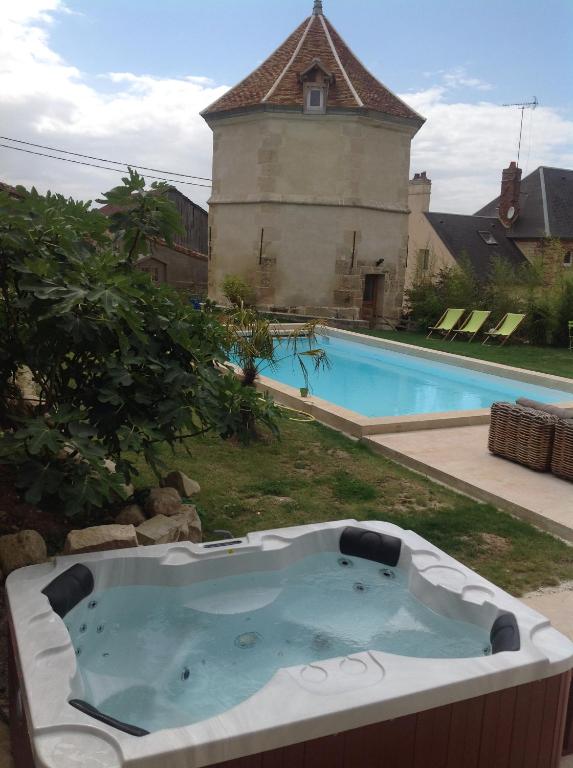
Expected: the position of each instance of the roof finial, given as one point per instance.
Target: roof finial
(317, 10)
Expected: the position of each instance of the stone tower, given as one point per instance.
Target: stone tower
(311, 159)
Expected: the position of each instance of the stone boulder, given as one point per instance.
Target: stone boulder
(130, 515)
(99, 538)
(159, 530)
(20, 549)
(163, 501)
(182, 484)
(190, 524)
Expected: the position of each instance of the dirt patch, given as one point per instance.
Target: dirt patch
(494, 544)
(18, 515)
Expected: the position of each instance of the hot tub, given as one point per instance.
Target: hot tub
(342, 644)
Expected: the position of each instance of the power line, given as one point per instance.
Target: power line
(103, 159)
(103, 167)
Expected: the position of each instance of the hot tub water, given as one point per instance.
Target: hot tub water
(159, 657)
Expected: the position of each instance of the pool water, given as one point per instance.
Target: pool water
(373, 381)
(159, 657)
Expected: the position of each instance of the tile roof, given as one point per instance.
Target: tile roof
(12, 191)
(545, 202)
(461, 236)
(276, 82)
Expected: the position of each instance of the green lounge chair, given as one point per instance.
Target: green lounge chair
(447, 322)
(472, 325)
(505, 328)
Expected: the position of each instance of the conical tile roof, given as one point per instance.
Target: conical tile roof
(276, 83)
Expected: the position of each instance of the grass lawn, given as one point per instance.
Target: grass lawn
(555, 360)
(314, 474)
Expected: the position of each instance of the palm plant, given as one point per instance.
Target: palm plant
(253, 341)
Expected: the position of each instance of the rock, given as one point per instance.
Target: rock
(159, 530)
(190, 524)
(20, 549)
(183, 484)
(131, 515)
(99, 538)
(163, 501)
(281, 499)
(127, 490)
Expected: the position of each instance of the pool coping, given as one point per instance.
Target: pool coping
(355, 424)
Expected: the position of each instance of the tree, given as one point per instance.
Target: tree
(121, 365)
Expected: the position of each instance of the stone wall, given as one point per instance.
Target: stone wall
(177, 268)
(551, 252)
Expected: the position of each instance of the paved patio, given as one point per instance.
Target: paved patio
(458, 457)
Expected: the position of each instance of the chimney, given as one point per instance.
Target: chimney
(419, 190)
(508, 210)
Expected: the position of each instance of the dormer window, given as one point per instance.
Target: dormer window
(315, 100)
(315, 80)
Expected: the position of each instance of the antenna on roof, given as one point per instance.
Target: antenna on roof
(522, 106)
(317, 10)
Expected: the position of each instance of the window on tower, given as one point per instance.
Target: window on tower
(315, 101)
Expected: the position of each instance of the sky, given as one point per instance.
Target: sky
(126, 79)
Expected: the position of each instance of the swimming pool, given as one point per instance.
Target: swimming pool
(374, 381)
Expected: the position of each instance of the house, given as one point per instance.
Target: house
(184, 263)
(10, 190)
(520, 226)
(310, 181)
(536, 212)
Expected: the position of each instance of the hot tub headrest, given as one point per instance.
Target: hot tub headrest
(67, 589)
(504, 635)
(371, 545)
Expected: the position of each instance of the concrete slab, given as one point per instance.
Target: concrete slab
(459, 457)
(557, 604)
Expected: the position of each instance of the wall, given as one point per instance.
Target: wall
(176, 268)
(551, 252)
(421, 236)
(290, 191)
(194, 221)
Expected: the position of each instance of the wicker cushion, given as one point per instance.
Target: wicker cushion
(522, 434)
(562, 459)
(554, 410)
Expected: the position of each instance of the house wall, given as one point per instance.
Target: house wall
(180, 270)
(194, 220)
(552, 258)
(422, 236)
(303, 206)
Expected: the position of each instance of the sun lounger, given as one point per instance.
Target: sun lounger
(473, 324)
(505, 328)
(447, 322)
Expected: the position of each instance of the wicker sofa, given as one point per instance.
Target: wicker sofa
(536, 435)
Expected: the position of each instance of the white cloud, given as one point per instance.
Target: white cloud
(155, 121)
(459, 78)
(463, 147)
(140, 119)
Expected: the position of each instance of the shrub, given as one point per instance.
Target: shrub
(122, 365)
(237, 291)
(563, 312)
(428, 297)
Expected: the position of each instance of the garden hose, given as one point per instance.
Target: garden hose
(307, 418)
